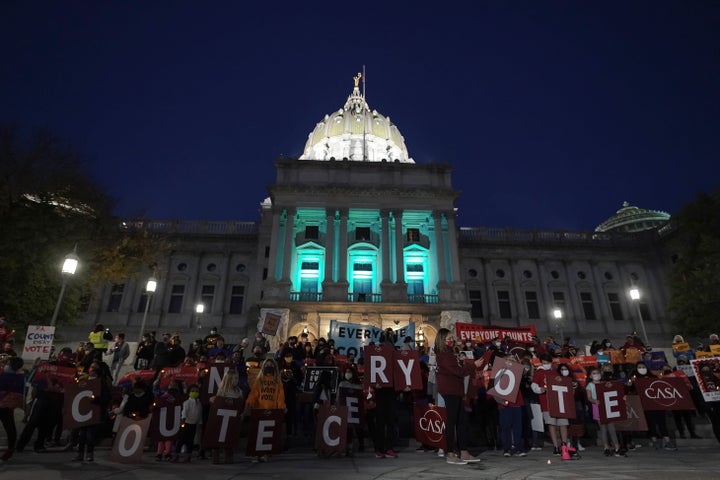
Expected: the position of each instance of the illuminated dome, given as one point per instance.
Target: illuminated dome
(356, 133)
(633, 219)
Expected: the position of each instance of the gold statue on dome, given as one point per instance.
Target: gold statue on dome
(357, 79)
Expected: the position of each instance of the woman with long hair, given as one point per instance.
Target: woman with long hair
(450, 377)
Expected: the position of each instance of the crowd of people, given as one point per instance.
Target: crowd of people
(454, 372)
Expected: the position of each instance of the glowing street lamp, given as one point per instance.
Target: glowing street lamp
(558, 314)
(635, 297)
(69, 266)
(150, 288)
(199, 309)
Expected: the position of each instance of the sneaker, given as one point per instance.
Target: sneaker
(607, 452)
(619, 453)
(158, 457)
(670, 447)
(455, 460)
(556, 451)
(440, 452)
(535, 449)
(420, 449)
(519, 453)
(263, 458)
(506, 453)
(391, 453)
(470, 458)
(379, 454)
(580, 447)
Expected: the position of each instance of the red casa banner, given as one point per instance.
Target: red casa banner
(429, 423)
(611, 401)
(129, 441)
(666, 393)
(223, 425)
(79, 408)
(636, 421)
(166, 418)
(352, 399)
(560, 397)
(331, 429)
(485, 333)
(46, 371)
(266, 432)
(507, 376)
(406, 370)
(188, 375)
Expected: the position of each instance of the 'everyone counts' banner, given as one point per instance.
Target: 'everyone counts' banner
(353, 337)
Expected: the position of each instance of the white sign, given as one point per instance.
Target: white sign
(38, 342)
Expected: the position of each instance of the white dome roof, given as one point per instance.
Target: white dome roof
(633, 219)
(355, 132)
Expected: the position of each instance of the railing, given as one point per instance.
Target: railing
(365, 297)
(306, 296)
(190, 227)
(419, 298)
(509, 235)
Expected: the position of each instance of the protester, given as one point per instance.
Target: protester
(266, 392)
(87, 435)
(99, 337)
(450, 377)
(11, 397)
(656, 421)
(557, 427)
(120, 352)
(228, 388)
(145, 352)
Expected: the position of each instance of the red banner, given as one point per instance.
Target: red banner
(79, 409)
(166, 418)
(45, 371)
(485, 333)
(378, 366)
(223, 425)
(331, 429)
(560, 397)
(406, 370)
(507, 375)
(266, 432)
(611, 401)
(429, 425)
(145, 375)
(636, 421)
(187, 375)
(129, 441)
(666, 393)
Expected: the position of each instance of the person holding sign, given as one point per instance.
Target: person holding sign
(540, 387)
(657, 425)
(605, 428)
(450, 377)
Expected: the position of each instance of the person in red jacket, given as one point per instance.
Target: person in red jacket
(450, 378)
(539, 387)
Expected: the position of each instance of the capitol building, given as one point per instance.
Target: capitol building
(353, 230)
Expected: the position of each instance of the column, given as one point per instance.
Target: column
(490, 296)
(452, 243)
(385, 226)
(601, 300)
(574, 301)
(517, 289)
(547, 299)
(342, 276)
(399, 243)
(439, 246)
(289, 244)
(273, 271)
(329, 244)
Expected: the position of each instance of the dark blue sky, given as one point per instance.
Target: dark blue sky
(551, 113)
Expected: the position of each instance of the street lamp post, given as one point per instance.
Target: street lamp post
(635, 297)
(199, 309)
(68, 269)
(149, 290)
(557, 313)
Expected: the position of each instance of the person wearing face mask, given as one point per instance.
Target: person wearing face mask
(557, 427)
(269, 384)
(576, 427)
(606, 429)
(350, 386)
(229, 388)
(450, 377)
(533, 426)
(657, 425)
(191, 416)
(683, 418)
(291, 377)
